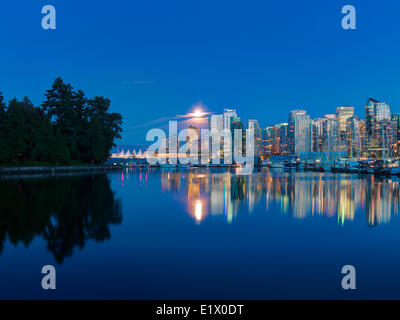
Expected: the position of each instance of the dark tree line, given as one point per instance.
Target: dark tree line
(68, 128)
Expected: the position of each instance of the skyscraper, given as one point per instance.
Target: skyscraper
(395, 123)
(216, 122)
(271, 142)
(317, 134)
(291, 132)
(228, 114)
(216, 126)
(253, 125)
(378, 128)
(239, 144)
(284, 136)
(353, 137)
(382, 112)
(342, 114)
(302, 133)
(330, 135)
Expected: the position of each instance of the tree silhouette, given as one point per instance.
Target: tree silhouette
(67, 212)
(68, 128)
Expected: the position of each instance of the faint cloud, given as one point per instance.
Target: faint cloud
(184, 117)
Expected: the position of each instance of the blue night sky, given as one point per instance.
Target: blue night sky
(156, 59)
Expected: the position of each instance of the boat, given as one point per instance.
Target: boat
(309, 165)
(346, 166)
(276, 165)
(319, 166)
(353, 166)
(382, 168)
(301, 166)
(395, 168)
(366, 166)
(291, 165)
(326, 166)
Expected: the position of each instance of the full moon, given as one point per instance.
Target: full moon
(197, 113)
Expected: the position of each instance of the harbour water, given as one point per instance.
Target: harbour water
(154, 233)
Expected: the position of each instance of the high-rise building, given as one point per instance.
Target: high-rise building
(330, 134)
(353, 137)
(395, 123)
(378, 128)
(363, 137)
(317, 134)
(291, 132)
(216, 122)
(253, 125)
(302, 133)
(193, 138)
(370, 116)
(342, 114)
(271, 144)
(216, 126)
(228, 114)
(267, 142)
(238, 144)
(382, 112)
(284, 136)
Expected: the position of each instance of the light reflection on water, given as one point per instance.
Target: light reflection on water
(299, 194)
(152, 233)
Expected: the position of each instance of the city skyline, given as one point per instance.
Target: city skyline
(153, 65)
(376, 135)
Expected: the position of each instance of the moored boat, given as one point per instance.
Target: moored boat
(381, 168)
(276, 165)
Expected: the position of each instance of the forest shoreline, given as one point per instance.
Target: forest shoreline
(19, 170)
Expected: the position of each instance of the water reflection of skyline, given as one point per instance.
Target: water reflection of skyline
(300, 195)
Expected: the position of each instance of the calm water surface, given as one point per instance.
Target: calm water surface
(161, 234)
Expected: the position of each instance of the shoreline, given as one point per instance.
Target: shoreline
(6, 171)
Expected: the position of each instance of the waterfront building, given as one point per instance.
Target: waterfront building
(317, 134)
(363, 137)
(291, 132)
(193, 139)
(302, 133)
(284, 136)
(276, 139)
(266, 142)
(395, 123)
(253, 125)
(216, 126)
(343, 113)
(238, 144)
(330, 133)
(382, 112)
(271, 140)
(228, 114)
(353, 137)
(216, 122)
(378, 127)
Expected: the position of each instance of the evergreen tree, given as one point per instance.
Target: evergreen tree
(61, 110)
(104, 128)
(68, 127)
